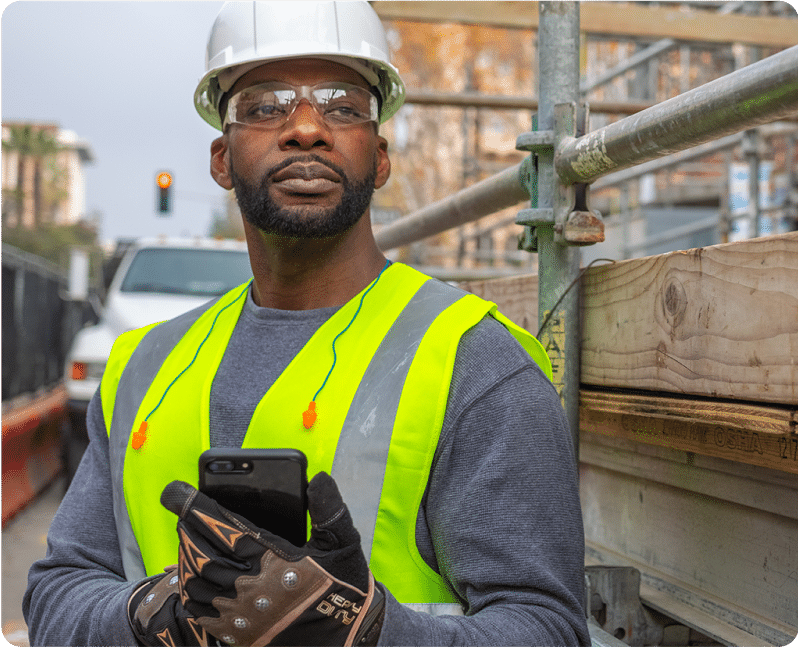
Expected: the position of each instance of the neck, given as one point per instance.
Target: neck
(303, 274)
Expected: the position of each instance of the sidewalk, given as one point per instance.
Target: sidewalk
(23, 542)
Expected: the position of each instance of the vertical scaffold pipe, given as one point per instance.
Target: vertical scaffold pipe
(558, 265)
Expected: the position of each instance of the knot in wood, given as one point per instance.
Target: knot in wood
(674, 301)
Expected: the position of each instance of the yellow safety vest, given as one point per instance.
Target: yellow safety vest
(379, 415)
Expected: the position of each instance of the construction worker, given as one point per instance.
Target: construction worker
(442, 490)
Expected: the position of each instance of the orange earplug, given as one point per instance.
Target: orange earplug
(139, 436)
(309, 416)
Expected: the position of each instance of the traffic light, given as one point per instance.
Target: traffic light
(164, 184)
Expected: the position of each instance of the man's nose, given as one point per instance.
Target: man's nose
(306, 129)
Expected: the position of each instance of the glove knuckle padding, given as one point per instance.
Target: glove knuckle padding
(294, 602)
(157, 617)
(156, 599)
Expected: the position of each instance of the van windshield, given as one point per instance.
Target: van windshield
(194, 272)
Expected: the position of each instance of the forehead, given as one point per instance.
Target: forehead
(299, 71)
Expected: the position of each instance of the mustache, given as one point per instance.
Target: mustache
(303, 159)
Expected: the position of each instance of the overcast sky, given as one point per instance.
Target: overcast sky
(121, 75)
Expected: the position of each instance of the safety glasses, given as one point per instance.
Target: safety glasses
(269, 105)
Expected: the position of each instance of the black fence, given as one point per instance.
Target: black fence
(39, 323)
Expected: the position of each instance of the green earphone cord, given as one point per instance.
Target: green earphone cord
(309, 416)
(311, 408)
(210, 330)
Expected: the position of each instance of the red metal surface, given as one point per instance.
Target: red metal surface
(31, 448)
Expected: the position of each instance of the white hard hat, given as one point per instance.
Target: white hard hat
(248, 34)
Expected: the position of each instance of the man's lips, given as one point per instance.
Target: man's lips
(310, 177)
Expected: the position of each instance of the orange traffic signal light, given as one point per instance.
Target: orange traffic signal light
(164, 180)
(164, 183)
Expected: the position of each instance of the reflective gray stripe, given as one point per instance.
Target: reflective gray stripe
(136, 378)
(438, 609)
(362, 452)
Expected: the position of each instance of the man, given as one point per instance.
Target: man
(430, 410)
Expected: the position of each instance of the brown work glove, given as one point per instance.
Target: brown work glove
(158, 618)
(247, 586)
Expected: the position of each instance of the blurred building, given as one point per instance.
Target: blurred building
(450, 51)
(43, 179)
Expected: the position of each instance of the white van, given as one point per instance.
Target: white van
(157, 279)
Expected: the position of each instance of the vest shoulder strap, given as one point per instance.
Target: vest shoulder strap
(380, 390)
(133, 365)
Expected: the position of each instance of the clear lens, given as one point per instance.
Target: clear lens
(343, 105)
(269, 105)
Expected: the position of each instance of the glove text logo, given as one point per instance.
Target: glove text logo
(338, 607)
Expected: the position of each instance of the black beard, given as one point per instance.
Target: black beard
(306, 221)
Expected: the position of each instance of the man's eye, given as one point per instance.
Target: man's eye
(264, 111)
(343, 110)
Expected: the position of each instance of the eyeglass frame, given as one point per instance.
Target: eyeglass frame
(300, 92)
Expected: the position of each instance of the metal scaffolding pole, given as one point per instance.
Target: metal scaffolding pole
(751, 154)
(704, 150)
(558, 264)
(757, 94)
(654, 166)
(643, 56)
(507, 189)
(500, 102)
(644, 246)
(503, 190)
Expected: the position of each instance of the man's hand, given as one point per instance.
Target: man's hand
(247, 586)
(157, 617)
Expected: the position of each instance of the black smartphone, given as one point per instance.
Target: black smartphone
(265, 486)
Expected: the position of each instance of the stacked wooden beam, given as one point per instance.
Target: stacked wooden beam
(689, 428)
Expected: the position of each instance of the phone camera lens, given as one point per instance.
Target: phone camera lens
(220, 466)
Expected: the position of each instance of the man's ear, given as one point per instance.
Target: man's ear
(383, 163)
(220, 163)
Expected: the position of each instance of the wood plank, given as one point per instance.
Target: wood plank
(516, 296)
(641, 20)
(735, 562)
(756, 435)
(766, 490)
(719, 321)
(514, 15)
(717, 535)
(699, 619)
(619, 19)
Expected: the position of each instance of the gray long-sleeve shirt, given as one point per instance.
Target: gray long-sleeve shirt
(500, 519)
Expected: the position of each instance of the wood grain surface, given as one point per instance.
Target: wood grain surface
(717, 321)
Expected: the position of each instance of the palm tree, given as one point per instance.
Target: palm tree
(34, 145)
